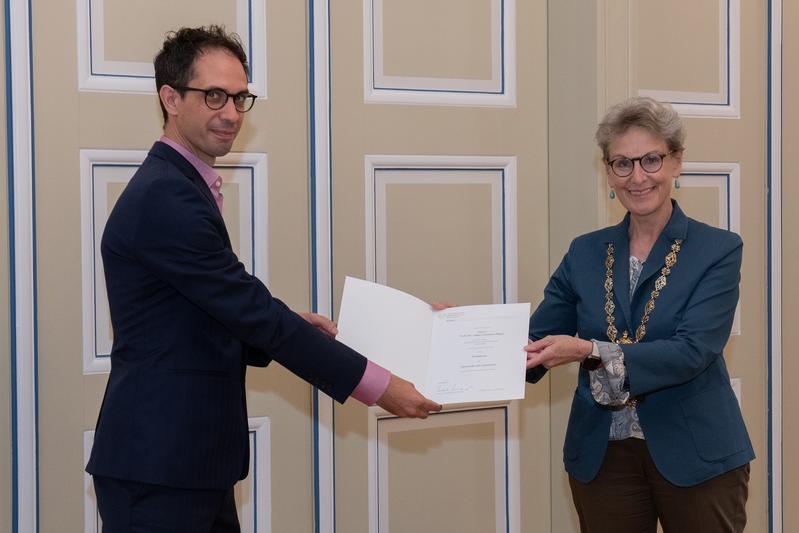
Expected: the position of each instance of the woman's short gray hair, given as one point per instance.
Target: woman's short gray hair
(640, 111)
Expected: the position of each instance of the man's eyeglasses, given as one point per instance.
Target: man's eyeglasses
(217, 98)
(652, 162)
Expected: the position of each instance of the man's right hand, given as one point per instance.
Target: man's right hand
(402, 399)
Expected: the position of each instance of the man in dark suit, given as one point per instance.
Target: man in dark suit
(172, 437)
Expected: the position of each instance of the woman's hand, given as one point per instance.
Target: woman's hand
(556, 350)
(322, 323)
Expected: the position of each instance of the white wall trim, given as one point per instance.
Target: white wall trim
(726, 177)
(24, 434)
(775, 273)
(500, 90)
(504, 241)
(253, 223)
(96, 73)
(504, 416)
(726, 101)
(255, 510)
(322, 265)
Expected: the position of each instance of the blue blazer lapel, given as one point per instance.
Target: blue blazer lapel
(619, 237)
(676, 228)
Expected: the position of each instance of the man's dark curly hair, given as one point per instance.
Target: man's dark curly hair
(174, 63)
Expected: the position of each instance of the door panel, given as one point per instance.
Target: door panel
(439, 180)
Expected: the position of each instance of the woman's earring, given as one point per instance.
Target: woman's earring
(677, 182)
(612, 194)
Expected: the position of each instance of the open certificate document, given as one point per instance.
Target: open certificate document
(462, 354)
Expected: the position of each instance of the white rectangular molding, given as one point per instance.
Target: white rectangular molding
(505, 458)
(726, 101)
(102, 168)
(97, 73)
(24, 432)
(499, 91)
(726, 178)
(498, 171)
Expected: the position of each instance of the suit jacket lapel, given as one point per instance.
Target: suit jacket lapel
(167, 152)
(164, 151)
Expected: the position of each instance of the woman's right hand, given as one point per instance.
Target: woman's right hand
(556, 350)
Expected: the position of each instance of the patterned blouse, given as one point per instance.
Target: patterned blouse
(609, 382)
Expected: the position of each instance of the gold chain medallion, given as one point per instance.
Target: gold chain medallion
(610, 307)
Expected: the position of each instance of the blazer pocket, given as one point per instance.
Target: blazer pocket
(582, 411)
(715, 423)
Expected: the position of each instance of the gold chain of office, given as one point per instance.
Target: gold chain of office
(610, 307)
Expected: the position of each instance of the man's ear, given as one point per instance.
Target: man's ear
(170, 98)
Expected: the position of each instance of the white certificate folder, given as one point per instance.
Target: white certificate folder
(462, 354)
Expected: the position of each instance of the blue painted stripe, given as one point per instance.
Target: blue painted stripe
(249, 40)
(330, 205)
(502, 45)
(507, 474)
(428, 90)
(34, 259)
(312, 158)
(12, 275)
(314, 283)
(770, 265)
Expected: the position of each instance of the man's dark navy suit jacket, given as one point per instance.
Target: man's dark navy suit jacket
(187, 319)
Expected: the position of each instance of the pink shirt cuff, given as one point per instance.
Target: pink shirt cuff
(373, 384)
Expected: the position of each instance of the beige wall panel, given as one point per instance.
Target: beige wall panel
(677, 45)
(701, 202)
(423, 39)
(5, 324)
(67, 121)
(432, 472)
(359, 129)
(61, 381)
(790, 264)
(131, 27)
(232, 213)
(439, 241)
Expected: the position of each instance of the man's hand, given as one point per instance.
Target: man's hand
(322, 323)
(402, 399)
(556, 350)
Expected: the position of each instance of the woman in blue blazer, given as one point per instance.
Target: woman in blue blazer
(655, 431)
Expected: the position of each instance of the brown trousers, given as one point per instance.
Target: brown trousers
(629, 495)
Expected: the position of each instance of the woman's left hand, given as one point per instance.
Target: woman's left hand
(556, 350)
(322, 323)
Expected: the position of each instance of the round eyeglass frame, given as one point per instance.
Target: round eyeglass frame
(247, 102)
(651, 169)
